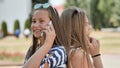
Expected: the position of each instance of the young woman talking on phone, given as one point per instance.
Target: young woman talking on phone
(46, 50)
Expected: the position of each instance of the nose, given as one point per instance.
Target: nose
(36, 25)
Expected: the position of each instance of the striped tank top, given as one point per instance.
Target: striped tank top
(56, 57)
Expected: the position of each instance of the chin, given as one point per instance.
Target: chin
(37, 36)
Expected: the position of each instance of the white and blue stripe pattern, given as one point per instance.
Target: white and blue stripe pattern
(57, 58)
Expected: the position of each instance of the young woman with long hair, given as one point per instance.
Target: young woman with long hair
(82, 51)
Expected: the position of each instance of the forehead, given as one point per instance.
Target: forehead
(42, 13)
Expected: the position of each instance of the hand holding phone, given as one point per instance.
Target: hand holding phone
(47, 27)
(49, 34)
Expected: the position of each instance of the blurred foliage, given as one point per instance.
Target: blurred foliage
(106, 8)
(28, 24)
(101, 13)
(115, 19)
(16, 25)
(77, 3)
(96, 15)
(4, 28)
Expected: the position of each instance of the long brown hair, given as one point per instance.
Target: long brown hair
(54, 17)
(72, 20)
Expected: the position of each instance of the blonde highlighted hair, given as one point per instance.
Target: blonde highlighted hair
(73, 35)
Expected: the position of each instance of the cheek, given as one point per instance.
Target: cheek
(86, 30)
(44, 24)
(36, 26)
(32, 27)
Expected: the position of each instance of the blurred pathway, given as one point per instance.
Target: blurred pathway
(111, 60)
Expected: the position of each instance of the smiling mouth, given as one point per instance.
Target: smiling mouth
(39, 31)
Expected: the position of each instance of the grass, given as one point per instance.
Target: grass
(12, 44)
(14, 59)
(13, 49)
(110, 43)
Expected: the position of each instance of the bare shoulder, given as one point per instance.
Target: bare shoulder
(78, 54)
(77, 58)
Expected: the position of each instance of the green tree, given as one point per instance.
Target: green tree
(16, 25)
(102, 13)
(106, 7)
(78, 3)
(27, 24)
(96, 15)
(85, 5)
(115, 17)
(4, 28)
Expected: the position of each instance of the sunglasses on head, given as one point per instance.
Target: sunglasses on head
(45, 5)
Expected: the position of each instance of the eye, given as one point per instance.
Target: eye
(41, 21)
(33, 21)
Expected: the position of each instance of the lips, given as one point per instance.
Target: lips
(37, 31)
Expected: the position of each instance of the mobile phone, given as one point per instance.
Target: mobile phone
(50, 23)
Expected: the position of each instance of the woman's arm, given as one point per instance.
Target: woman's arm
(98, 62)
(27, 54)
(95, 50)
(36, 59)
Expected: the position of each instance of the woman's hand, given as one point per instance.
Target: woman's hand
(50, 34)
(94, 46)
